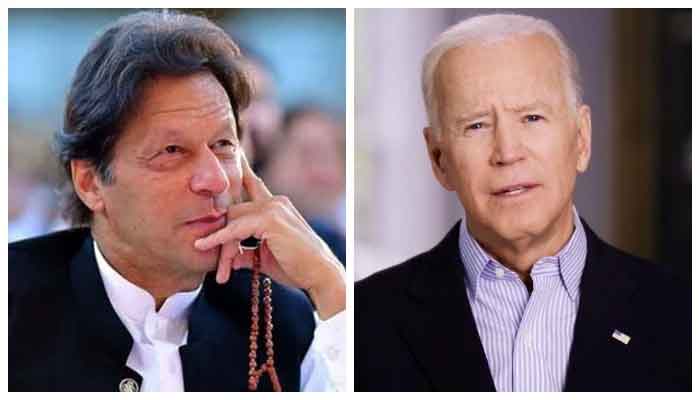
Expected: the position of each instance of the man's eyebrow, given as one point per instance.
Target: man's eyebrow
(472, 116)
(170, 133)
(538, 104)
(165, 134)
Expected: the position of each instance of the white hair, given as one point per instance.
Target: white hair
(488, 29)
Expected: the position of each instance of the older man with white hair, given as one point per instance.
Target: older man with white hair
(521, 295)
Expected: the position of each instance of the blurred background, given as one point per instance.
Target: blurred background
(294, 128)
(636, 194)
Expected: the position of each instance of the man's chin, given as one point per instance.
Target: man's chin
(205, 261)
(522, 227)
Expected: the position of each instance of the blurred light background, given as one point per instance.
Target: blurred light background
(636, 194)
(294, 129)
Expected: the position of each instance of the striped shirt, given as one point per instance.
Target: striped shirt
(526, 336)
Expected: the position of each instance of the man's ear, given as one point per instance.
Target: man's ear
(583, 138)
(437, 158)
(87, 184)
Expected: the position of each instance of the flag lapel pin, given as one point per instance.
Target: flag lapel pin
(622, 337)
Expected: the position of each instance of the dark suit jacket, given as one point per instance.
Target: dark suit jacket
(414, 330)
(65, 336)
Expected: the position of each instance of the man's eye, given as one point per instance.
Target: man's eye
(224, 143)
(172, 149)
(475, 126)
(225, 148)
(533, 118)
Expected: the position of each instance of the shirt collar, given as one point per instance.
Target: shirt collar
(134, 302)
(568, 262)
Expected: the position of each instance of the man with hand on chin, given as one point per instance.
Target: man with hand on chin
(521, 295)
(151, 146)
(291, 253)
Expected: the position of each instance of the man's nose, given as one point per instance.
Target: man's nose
(507, 145)
(209, 178)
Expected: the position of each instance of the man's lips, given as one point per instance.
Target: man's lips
(203, 226)
(211, 217)
(515, 189)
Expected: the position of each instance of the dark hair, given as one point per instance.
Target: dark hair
(109, 80)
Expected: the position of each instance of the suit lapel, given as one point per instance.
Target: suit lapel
(605, 294)
(439, 327)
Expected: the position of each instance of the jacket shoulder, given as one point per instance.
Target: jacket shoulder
(646, 275)
(389, 280)
(39, 304)
(389, 283)
(42, 260)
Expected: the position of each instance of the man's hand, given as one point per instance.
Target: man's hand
(291, 252)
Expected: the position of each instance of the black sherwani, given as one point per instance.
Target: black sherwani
(64, 334)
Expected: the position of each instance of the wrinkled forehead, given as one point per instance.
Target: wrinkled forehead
(195, 106)
(513, 72)
(195, 94)
(182, 100)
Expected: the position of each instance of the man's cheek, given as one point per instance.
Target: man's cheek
(458, 172)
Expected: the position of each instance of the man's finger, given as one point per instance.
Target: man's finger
(251, 207)
(241, 228)
(252, 183)
(246, 208)
(228, 252)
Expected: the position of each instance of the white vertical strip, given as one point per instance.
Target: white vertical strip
(350, 196)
